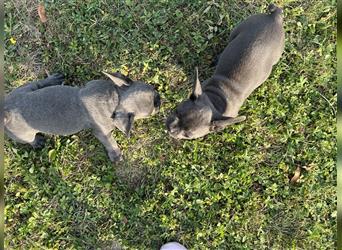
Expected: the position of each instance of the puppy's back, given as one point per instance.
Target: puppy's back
(54, 110)
(255, 45)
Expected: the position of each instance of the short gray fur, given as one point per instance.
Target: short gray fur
(254, 47)
(47, 106)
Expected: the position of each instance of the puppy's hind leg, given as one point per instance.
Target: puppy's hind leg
(51, 80)
(54, 79)
(26, 136)
(39, 141)
(110, 144)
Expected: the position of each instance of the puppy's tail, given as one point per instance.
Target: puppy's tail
(275, 11)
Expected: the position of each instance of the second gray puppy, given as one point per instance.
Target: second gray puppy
(47, 106)
(254, 47)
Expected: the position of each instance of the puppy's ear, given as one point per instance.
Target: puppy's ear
(226, 121)
(118, 79)
(124, 122)
(197, 89)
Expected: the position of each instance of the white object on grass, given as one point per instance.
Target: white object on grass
(173, 246)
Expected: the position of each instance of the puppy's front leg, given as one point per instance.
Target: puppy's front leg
(110, 144)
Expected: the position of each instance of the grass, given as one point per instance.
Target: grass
(229, 190)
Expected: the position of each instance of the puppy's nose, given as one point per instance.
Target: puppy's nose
(156, 101)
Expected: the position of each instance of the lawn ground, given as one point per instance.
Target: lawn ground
(229, 190)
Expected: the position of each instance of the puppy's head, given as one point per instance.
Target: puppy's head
(193, 118)
(137, 100)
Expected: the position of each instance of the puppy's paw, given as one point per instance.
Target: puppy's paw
(115, 156)
(56, 78)
(39, 142)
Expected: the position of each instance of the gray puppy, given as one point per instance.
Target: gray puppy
(254, 47)
(49, 107)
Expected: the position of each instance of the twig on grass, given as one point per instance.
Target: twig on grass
(332, 107)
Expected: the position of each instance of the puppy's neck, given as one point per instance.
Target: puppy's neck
(224, 95)
(207, 99)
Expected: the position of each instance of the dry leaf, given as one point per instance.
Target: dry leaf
(41, 13)
(308, 168)
(296, 176)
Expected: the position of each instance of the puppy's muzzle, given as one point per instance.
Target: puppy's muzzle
(171, 128)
